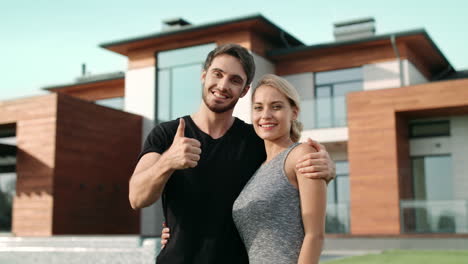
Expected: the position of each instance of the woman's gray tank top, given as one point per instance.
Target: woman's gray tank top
(267, 214)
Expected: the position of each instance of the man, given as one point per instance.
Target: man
(199, 164)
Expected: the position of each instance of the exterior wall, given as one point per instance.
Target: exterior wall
(63, 142)
(338, 151)
(430, 146)
(325, 135)
(96, 150)
(140, 98)
(140, 95)
(377, 139)
(386, 74)
(244, 105)
(304, 84)
(412, 75)
(35, 133)
(381, 75)
(459, 136)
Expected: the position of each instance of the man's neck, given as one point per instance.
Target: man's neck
(213, 124)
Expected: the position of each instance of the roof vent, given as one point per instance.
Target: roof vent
(174, 23)
(354, 29)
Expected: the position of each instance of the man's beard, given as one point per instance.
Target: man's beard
(217, 108)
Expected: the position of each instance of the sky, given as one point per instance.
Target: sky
(44, 42)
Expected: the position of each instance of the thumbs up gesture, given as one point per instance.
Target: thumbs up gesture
(184, 152)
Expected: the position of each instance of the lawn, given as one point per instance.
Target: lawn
(408, 257)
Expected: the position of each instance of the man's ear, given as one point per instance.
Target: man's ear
(245, 91)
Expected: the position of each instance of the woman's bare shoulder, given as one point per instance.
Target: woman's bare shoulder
(301, 150)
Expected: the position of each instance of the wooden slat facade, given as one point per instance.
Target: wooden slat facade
(35, 120)
(378, 148)
(63, 144)
(96, 150)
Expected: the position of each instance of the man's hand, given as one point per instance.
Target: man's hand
(165, 235)
(184, 152)
(317, 165)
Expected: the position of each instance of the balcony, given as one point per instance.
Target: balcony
(422, 216)
(328, 112)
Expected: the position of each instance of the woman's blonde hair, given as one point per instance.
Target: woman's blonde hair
(291, 94)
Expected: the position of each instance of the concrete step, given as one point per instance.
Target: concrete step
(78, 249)
(73, 241)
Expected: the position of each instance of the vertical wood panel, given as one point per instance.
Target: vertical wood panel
(97, 149)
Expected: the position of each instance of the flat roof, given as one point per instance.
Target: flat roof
(287, 51)
(88, 80)
(419, 35)
(193, 28)
(455, 75)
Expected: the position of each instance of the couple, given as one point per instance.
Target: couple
(198, 165)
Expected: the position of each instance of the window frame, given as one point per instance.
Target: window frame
(332, 93)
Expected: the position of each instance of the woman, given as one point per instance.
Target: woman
(279, 214)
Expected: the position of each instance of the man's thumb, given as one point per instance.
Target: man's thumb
(181, 128)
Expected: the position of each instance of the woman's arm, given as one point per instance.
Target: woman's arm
(313, 196)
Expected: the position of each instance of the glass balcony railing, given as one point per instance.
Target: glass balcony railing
(325, 112)
(420, 216)
(337, 219)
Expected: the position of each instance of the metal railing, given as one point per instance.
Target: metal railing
(422, 216)
(326, 112)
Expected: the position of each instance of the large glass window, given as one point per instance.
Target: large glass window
(331, 88)
(337, 220)
(432, 177)
(179, 89)
(432, 208)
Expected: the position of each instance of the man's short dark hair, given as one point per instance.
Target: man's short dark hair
(237, 51)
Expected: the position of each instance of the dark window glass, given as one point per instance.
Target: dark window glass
(7, 192)
(430, 129)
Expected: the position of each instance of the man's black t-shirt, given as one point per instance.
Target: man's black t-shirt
(197, 202)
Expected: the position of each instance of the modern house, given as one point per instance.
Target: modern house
(391, 110)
